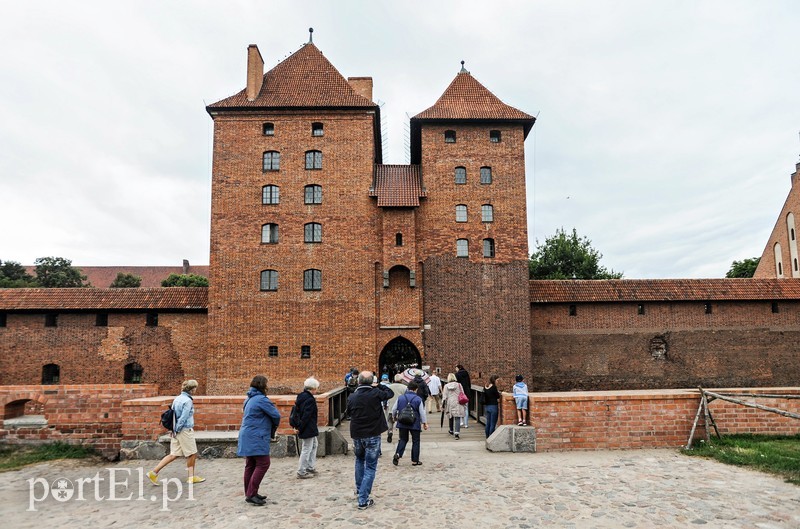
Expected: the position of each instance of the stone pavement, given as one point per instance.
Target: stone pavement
(460, 485)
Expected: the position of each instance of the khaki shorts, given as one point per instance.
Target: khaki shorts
(183, 443)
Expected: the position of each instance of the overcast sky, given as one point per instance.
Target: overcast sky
(666, 131)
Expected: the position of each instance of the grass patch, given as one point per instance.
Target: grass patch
(13, 457)
(775, 454)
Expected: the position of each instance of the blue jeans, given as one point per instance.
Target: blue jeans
(491, 418)
(367, 451)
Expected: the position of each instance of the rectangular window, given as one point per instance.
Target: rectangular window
(494, 136)
(3, 321)
(461, 175)
(101, 320)
(269, 280)
(449, 136)
(462, 248)
(269, 234)
(273, 350)
(312, 280)
(487, 213)
(312, 232)
(313, 194)
(573, 310)
(51, 320)
(461, 213)
(640, 309)
(488, 247)
(268, 129)
(774, 307)
(313, 160)
(270, 195)
(152, 319)
(708, 308)
(305, 351)
(272, 161)
(316, 129)
(486, 175)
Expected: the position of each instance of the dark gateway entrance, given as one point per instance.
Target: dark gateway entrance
(398, 355)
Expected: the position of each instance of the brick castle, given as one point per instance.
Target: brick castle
(323, 257)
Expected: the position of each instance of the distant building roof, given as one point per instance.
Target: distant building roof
(304, 79)
(577, 291)
(152, 276)
(89, 299)
(397, 185)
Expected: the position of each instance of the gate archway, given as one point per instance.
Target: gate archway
(398, 355)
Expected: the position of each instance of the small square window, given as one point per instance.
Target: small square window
(101, 320)
(449, 136)
(640, 309)
(316, 129)
(51, 374)
(51, 320)
(133, 373)
(305, 352)
(494, 136)
(152, 319)
(573, 310)
(273, 350)
(268, 129)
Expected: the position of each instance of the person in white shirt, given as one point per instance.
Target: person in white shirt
(435, 387)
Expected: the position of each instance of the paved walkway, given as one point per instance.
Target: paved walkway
(460, 485)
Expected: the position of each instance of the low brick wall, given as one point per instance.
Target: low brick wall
(140, 417)
(598, 420)
(87, 414)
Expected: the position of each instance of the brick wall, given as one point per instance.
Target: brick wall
(610, 346)
(599, 420)
(338, 323)
(85, 414)
(478, 317)
(781, 235)
(87, 354)
(211, 413)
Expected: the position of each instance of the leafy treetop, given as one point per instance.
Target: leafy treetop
(124, 280)
(744, 268)
(185, 280)
(57, 272)
(568, 256)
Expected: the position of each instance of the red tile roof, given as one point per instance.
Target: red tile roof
(304, 79)
(572, 291)
(63, 299)
(397, 185)
(152, 276)
(466, 98)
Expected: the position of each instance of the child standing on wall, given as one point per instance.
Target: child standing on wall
(520, 392)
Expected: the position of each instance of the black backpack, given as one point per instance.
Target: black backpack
(168, 419)
(294, 418)
(407, 415)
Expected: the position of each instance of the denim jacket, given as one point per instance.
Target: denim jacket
(184, 411)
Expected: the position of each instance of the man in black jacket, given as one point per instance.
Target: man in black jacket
(462, 375)
(367, 423)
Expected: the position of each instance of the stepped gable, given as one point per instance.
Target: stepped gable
(467, 99)
(304, 79)
(397, 185)
(89, 299)
(590, 291)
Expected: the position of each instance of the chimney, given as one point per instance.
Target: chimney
(185, 266)
(362, 86)
(255, 72)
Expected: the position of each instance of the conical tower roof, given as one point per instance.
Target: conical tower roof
(304, 79)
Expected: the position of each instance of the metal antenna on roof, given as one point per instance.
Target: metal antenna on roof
(463, 70)
(310, 35)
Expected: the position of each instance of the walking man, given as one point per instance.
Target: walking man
(435, 387)
(182, 443)
(413, 428)
(367, 423)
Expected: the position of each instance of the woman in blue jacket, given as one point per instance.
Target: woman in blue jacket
(259, 424)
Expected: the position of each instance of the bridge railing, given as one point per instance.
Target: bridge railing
(337, 405)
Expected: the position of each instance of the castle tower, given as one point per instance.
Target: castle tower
(292, 273)
(781, 258)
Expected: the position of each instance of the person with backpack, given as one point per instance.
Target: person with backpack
(409, 414)
(260, 421)
(182, 443)
(304, 420)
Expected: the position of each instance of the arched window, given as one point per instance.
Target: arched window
(462, 248)
(461, 175)
(488, 247)
(449, 136)
(313, 194)
(487, 213)
(312, 232)
(486, 175)
(270, 194)
(272, 161)
(316, 129)
(461, 213)
(312, 279)
(778, 259)
(268, 129)
(51, 374)
(269, 280)
(133, 373)
(398, 239)
(269, 234)
(313, 159)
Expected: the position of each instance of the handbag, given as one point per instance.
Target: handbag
(462, 397)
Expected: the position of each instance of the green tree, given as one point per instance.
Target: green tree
(743, 268)
(57, 272)
(124, 280)
(14, 275)
(185, 280)
(567, 256)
